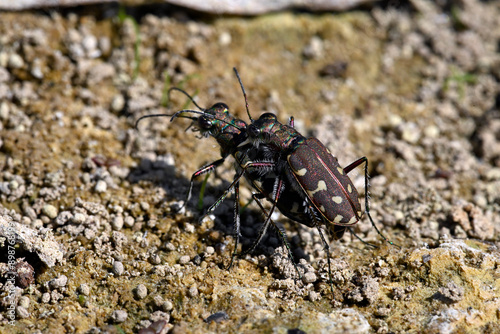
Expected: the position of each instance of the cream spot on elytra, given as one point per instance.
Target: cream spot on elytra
(337, 199)
(301, 172)
(321, 186)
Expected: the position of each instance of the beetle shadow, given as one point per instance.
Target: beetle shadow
(161, 173)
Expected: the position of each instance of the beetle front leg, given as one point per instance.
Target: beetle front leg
(236, 180)
(203, 170)
(223, 196)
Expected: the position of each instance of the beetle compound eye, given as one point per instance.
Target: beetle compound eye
(221, 107)
(253, 131)
(204, 122)
(269, 116)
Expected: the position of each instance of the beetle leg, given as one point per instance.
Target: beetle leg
(203, 170)
(224, 195)
(263, 229)
(349, 168)
(326, 246)
(236, 179)
(237, 222)
(278, 188)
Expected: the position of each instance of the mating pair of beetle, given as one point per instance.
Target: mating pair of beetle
(298, 175)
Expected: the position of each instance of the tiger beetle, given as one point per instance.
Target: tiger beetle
(297, 175)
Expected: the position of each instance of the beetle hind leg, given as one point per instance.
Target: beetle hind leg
(349, 168)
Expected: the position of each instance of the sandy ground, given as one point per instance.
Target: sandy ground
(88, 202)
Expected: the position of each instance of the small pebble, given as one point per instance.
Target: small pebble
(22, 312)
(129, 221)
(169, 246)
(25, 274)
(15, 61)
(151, 223)
(493, 174)
(398, 215)
(63, 217)
(59, 282)
(37, 223)
(157, 327)
(13, 185)
(210, 250)
(119, 316)
(119, 239)
(314, 49)
(4, 74)
(193, 291)
(309, 277)
(89, 43)
(189, 228)
(117, 223)
(158, 316)
(158, 300)
(24, 301)
(167, 306)
(394, 120)
(480, 200)
(50, 211)
(4, 111)
(30, 212)
(86, 178)
(141, 291)
(79, 218)
(117, 208)
(4, 57)
(101, 186)
(184, 259)
(118, 268)
(431, 131)
(382, 311)
(410, 132)
(36, 71)
(224, 38)
(452, 293)
(155, 259)
(46, 298)
(84, 289)
(55, 296)
(104, 44)
(313, 296)
(118, 103)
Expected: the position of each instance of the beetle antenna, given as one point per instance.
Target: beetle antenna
(188, 96)
(148, 116)
(244, 93)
